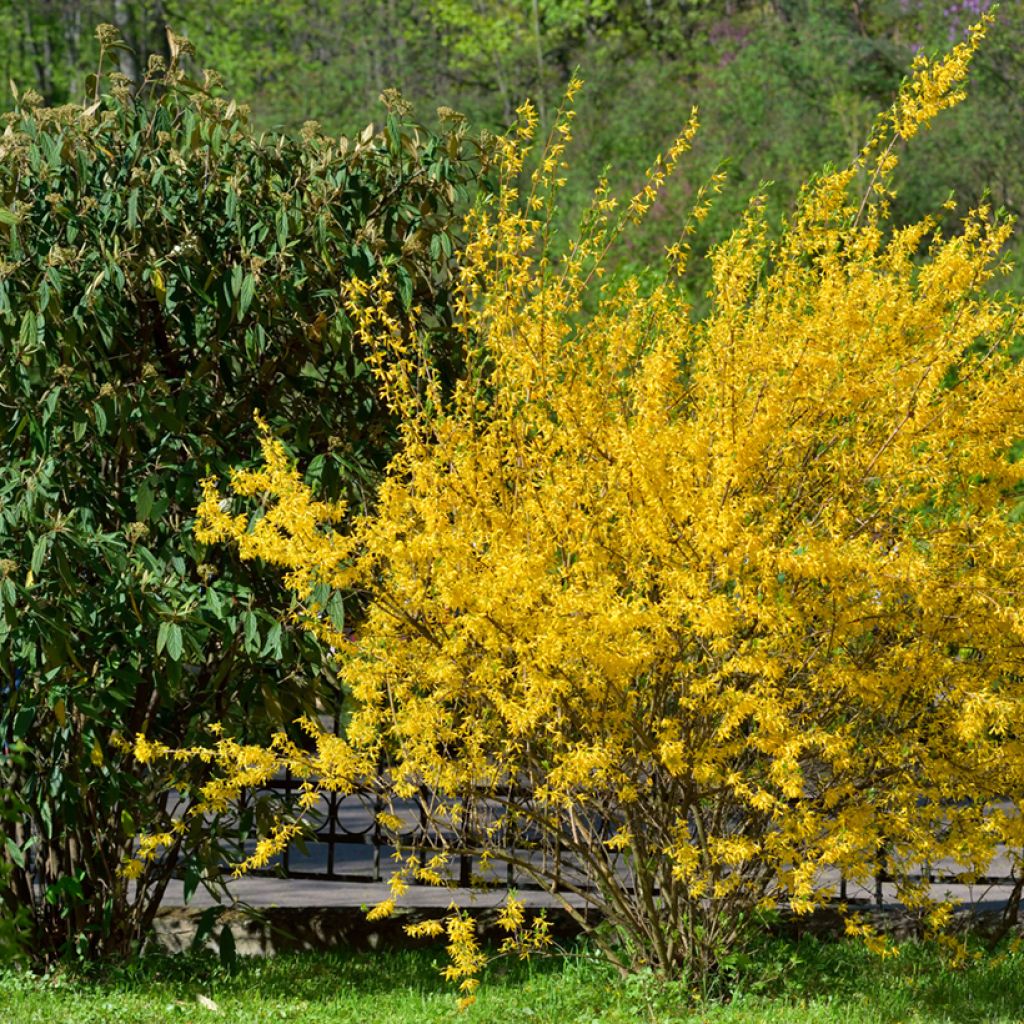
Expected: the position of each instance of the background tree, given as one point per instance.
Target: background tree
(49, 45)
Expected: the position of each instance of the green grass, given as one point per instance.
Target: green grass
(806, 982)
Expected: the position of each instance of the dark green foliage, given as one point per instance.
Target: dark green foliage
(164, 273)
(13, 919)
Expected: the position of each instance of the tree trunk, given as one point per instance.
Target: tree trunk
(126, 58)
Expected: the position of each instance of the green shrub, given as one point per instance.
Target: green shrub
(164, 273)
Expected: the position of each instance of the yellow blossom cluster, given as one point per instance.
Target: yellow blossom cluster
(703, 607)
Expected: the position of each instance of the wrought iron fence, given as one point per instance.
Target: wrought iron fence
(348, 844)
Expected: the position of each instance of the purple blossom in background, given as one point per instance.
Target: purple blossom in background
(962, 13)
(959, 16)
(730, 36)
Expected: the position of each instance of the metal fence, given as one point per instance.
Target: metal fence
(348, 844)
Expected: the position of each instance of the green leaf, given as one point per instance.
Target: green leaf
(272, 644)
(15, 852)
(214, 602)
(66, 887)
(46, 817)
(23, 719)
(39, 553)
(193, 876)
(246, 293)
(161, 636)
(404, 284)
(315, 470)
(8, 217)
(336, 612)
(252, 631)
(144, 501)
(174, 641)
(27, 334)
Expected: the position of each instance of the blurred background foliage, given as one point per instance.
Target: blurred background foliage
(784, 86)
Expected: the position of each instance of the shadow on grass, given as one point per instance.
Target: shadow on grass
(313, 977)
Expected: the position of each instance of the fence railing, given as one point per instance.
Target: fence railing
(348, 844)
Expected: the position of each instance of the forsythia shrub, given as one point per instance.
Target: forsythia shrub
(697, 609)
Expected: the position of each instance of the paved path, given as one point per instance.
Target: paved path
(275, 892)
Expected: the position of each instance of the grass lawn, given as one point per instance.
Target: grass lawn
(806, 982)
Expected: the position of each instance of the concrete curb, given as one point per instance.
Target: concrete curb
(264, 931)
